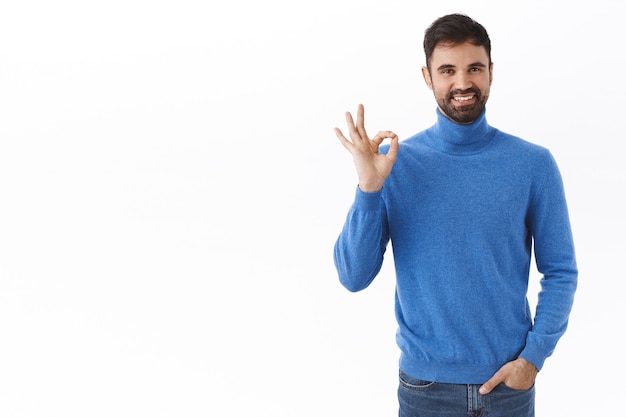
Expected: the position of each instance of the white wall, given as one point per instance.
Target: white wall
(171, 188)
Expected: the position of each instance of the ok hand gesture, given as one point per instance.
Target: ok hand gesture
(372, 167)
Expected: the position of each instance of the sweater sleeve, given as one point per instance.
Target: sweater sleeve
(361, 245)
(554, 254)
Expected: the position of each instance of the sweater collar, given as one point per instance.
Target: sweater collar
(454, 138)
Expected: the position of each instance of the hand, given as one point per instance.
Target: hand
(518, 374)
(372, 167)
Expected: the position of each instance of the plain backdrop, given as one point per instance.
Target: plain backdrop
(171, 189)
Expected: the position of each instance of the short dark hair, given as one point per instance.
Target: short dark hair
(455, 29)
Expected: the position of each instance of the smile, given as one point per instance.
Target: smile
(463, 98)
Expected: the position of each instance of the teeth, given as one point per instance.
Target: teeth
(463, 98)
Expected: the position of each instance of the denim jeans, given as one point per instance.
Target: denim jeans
(419, 398)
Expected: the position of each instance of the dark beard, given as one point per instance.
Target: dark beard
(465, 114)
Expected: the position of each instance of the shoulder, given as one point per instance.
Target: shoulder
(518, 147)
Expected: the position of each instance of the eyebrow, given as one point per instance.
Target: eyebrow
(449, 66)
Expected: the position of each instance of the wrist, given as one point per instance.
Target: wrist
(526, 363)
(368, 187)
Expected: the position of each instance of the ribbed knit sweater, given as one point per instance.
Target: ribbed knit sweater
(463, 208)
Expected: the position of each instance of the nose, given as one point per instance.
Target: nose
(462, 81)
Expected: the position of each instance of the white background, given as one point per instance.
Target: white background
(171, 189)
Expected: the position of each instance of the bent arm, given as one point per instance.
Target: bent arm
(556, 261)
(361, 245)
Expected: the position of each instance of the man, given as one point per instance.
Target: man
(463, 205)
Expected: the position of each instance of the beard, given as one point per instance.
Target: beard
(463, 114)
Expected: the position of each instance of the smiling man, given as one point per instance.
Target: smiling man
(463, 205)
(460, 76)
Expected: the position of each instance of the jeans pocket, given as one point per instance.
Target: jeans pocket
(411, 383)
(507, 388)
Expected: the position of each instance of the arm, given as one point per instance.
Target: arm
(556, 261)
(554, 253)
(361, 245)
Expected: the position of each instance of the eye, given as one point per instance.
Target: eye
(447, 71)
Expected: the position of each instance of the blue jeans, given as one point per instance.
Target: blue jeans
(419, 398)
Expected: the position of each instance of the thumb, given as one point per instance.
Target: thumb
(488, 386)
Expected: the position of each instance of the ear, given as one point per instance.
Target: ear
(427, 79)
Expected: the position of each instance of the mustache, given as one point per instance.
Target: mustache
(468, 91)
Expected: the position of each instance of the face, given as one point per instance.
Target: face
(460, 78)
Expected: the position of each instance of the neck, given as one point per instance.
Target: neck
(456, 138)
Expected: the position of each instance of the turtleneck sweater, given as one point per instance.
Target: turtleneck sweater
(465, 207)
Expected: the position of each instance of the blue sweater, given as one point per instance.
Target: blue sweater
(463, 207)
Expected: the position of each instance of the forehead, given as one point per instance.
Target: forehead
(458, 55)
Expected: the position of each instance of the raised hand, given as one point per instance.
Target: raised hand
(372, 167)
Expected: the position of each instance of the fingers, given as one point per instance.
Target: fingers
(345, 142)
(392, 153)
(360, 121)
(517, 374)
(359, 137)
(350, 122)
(352, 132)
(488, 386)
(382, 135)
(495, 380)
(357, 130)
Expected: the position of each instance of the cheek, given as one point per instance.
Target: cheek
(441, 86)
(485, 89)
(440, 91)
